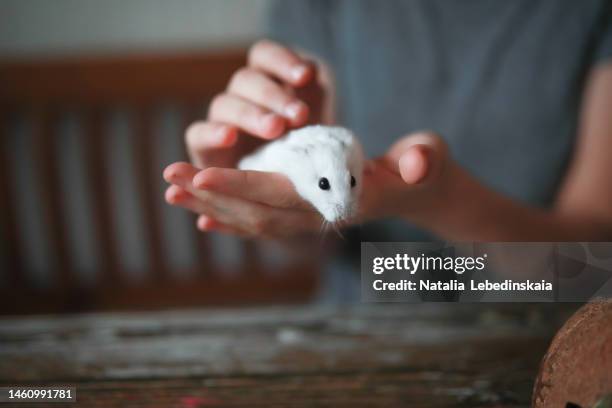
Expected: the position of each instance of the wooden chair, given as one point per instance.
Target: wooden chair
(40, 91)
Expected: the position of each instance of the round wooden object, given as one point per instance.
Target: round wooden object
(576, 371)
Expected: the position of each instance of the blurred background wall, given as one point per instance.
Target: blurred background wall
(43, 27)
(37, 31)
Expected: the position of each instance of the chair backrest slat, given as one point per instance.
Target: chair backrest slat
(9, 231)
(45, 121)
(99, 189)
(109, 220)
(147, 181)
(191, 112)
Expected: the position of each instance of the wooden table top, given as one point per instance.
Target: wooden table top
(417, 355)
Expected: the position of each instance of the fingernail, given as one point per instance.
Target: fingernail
(294, 110)
(169, 175)
(200, 181)
(201, 225)
(173, 197)
(206, 223)
(179, 196)
(269, 122)
(220, 134)
(298, 72)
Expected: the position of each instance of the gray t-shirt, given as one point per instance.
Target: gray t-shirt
(501, 81)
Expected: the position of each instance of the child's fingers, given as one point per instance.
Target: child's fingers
(180, 173)
(418, 157)
(414, 164)
(207, 224)
(281, 62)
(248, 216)
(233, 212)
(201, 136)
(176, 195)
(226, 209)
(272, 189)
(257, 87)
(246, 115)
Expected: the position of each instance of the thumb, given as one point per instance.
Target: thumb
(418, 157)
(414, 164)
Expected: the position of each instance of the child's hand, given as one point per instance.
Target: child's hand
(245, 203)
(411, 181)
(407, 181)
(277, 90)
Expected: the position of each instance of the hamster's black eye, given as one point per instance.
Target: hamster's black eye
(353, 182)
(324, 183)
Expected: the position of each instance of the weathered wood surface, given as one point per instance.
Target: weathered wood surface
(366, 355)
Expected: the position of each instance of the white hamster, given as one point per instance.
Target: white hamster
(324, 163)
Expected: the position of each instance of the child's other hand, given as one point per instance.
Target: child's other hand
(411, 181)
(275, 91)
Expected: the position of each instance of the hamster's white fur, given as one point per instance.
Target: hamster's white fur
(307, 155)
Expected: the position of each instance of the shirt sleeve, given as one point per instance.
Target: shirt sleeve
(603, 47)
